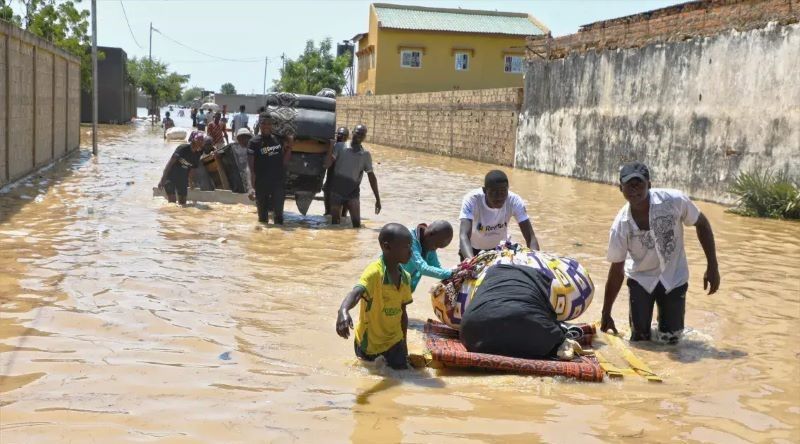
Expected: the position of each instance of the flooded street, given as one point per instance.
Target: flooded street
(124, 318)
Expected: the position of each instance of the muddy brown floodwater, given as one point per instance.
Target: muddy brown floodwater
(128, 319)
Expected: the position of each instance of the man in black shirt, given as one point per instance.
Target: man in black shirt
(267, 157)
(175, 179)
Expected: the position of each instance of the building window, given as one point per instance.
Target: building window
(462, 61)
(410, 59)
(363, 63)
(513, 64)
(372, 60)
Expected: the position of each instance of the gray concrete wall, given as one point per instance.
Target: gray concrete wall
(116, 94)
(39, 103)
(698, 111)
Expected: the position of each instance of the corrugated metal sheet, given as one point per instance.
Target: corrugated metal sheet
(428, 19)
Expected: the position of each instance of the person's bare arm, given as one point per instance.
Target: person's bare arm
(251, 165)
(705, 235)
(616, 275)
(329, 155)
(464, 243)
(167, 168)
(343, 320)
(373, 183)
(287, 149)
(404, 323)
(530, 237)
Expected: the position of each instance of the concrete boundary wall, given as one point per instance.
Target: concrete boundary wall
(472, 124)
(699, 111)
(675, 23)
(39, 103)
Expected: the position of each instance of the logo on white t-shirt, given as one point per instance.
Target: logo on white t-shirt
(489, 228)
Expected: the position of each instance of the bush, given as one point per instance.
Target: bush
(763, 194)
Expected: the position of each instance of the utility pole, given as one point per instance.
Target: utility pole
(283, 60)
(94, 77)
(150, 58)
(266, 60)
(151, 42)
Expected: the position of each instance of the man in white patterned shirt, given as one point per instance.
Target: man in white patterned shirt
(646, 245)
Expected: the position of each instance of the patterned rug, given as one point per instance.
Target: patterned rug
(444, 346)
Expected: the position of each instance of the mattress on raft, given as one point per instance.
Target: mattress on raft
(445, 347)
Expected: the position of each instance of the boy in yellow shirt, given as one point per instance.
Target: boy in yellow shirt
(384, 290)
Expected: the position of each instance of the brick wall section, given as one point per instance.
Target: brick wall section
(19, 107)
(674, 23)
(73, 106)
(3, 123)
(44, 107)
(477, 124)
(37, 122)
(60, 118)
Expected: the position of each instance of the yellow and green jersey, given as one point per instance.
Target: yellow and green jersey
(381, 308)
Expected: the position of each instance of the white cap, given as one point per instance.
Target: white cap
(243, 132)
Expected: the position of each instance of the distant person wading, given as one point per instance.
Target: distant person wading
(352, 161)
(240, 120)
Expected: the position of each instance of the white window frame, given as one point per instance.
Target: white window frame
(464, 54)
(521, 64)
(411, 51)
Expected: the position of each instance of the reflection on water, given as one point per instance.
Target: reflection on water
(124, 318)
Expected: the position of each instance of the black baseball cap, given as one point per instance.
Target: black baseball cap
(634, 170)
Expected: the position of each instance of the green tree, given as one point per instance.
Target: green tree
(227, 88)
(7, 14)
(314, 70)
(61, 23)
(192, 94)
(153, 78)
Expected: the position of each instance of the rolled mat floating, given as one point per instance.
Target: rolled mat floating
(445, 348)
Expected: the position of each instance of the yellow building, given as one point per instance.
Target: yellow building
(412, 49)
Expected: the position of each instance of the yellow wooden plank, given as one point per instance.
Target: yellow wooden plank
(634, 361)
(611, 370)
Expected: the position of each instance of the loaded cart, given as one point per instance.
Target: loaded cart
(312, 121)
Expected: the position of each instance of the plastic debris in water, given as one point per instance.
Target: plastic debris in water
(39, 198)
(225, 356)
(222, 240)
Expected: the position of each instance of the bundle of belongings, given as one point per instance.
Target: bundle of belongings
(302, 116)
(506, 309)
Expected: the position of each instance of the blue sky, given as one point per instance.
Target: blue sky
(253, 29)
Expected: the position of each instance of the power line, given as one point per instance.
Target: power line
(212, 61)
(203, 53)
(215, 61)
(129, 25)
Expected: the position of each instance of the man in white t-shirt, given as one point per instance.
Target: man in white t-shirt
(485, 214)
(646, 245)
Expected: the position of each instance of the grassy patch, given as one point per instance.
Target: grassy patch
(763, 194)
